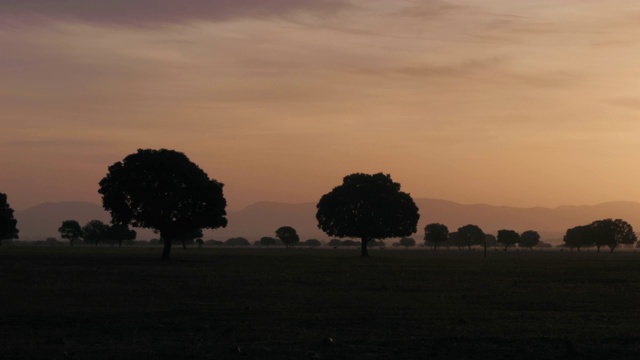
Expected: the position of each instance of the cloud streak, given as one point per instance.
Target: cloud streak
(153, 12)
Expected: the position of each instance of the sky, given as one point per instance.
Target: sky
(506, 102)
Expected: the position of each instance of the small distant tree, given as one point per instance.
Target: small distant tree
(287, 235)
(529, 239)
(435, 233)
(335, 243)
(8, 224)
(612, 233)
(406, 242)
(95, 231)
(237, 241)
(490, 240)
(454, 239)
(508, 237)
(120, 233)
(70, 230)
(312, 243)
(471, 235)
(267, 241)
(367, 206)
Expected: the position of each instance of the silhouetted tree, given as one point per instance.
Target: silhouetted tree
(267, 241)
(237, 241)
(165, 191)
(471, 235)
(287, 235)
(8, 224)
(212, 242)
(70, 230)
(455, 239)
(120, 233)
(490, 240)
(529, 239)
(508, 237)
(406, 242)
(435, 233)
(349, 243)
(95, 231)
(367, 207)
(612, 233)
(312, 243)
(335, 242)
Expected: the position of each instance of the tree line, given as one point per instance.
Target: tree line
(164, 191)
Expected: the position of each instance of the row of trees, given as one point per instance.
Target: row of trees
(164, 191)
(606, 232)
(95, 231)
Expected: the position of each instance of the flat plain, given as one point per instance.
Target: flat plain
(216, 303)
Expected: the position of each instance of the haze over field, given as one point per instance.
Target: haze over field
(262, 219)
(519, 103)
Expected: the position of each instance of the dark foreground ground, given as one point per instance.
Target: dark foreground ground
(104, 303)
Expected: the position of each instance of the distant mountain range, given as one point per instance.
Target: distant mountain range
(263, 218)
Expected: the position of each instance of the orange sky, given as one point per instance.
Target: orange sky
(522, 103)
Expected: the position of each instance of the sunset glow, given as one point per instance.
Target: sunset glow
(520, 103)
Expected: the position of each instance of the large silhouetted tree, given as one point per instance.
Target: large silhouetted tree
(435, 233)
(8, 224)
(163, 190)
(612, 233)
(529, 239)
(508, 237)
(368, 207)
(287, 235)
(70, 230)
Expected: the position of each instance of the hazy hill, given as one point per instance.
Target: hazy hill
(263, 218)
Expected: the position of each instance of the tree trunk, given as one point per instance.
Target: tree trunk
(612, 248)
(485, 250)
(71, 243)
(598, 248)
(119, 243)
(166, 250)
(184, 245)
(364, 252)
(506, 246)
(435, 243)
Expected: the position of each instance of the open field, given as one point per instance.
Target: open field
(110, 303)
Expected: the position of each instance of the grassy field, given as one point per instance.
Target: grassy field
(110, 303)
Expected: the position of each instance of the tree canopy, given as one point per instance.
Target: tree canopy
(287, 235)
(471, 235)
(8, 224)
(611, 233)
(578, 237)
(435, 233)
(163, 190)
(70, 230)
(95, 231)
(406, 242)
(368, 207)
(267, 241)
(529, 239)
(508, 237)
